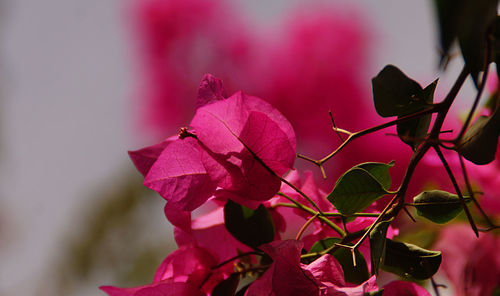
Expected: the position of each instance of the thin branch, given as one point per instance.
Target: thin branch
(457, 189)
(304, 227)
(237, 257)
(436, 286)
(471, 192)
(313, 212)
(477, 99)
(329, 214)
(367, 131)
(334, 127)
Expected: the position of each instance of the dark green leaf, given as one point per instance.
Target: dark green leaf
(469, 21)
(496, 44)
(448, 13)
(380, 171)
(437, 206)
(413, 131)
(352, 274)
(227, 287)
(480, 142)
(410, 261)
(253, 228)
(377, 244)
(476, 17)
(396, 94)
(357, 188)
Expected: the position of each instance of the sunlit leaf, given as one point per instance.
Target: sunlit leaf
(438, 206)
(358, 188)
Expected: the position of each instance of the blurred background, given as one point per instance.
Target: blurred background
(82, 82)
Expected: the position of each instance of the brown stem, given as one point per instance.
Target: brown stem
(457, 189)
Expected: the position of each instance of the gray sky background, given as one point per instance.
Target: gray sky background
(66, 82)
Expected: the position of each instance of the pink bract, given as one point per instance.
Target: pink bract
(179, 175)
(186, 272)
(471, 264)
(324, 276)
(240, 144)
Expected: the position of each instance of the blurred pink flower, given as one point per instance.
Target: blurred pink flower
(471, 264)
(313, 60)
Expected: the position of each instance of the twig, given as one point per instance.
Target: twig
(457, 189)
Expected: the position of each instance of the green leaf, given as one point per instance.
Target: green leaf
(358, 188)
(377, 244)
(448, 13)
(413, 131)
(227, 287)
(475, 19)
(352, 274)
(409, 261)
(437, 206)
(251, 227)
(396, 94)
(480, 142)
(469, 21)
(380, 171)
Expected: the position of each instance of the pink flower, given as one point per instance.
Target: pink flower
(402, 288)
(324, 276)
(187, 272)
(178, 41)
(471, 264)
(240, 145)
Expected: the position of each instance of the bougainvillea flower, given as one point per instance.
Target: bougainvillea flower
(187, 271)
(240, 133)
(324, 276)
(471, 264)
(144, 158)
(163, 289)
(179, 175)
(284, 270)
(240, 144)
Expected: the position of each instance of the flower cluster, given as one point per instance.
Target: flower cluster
(233, 158)
(247, 221)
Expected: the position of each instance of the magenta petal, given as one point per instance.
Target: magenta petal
(159, 289)
(397, 288)
(186, 264)
(243, 142)
(369, 285)
(285, 276)
(327, 269)
(211, 90)
(144, 158)
(218, 124)
(179, 175)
